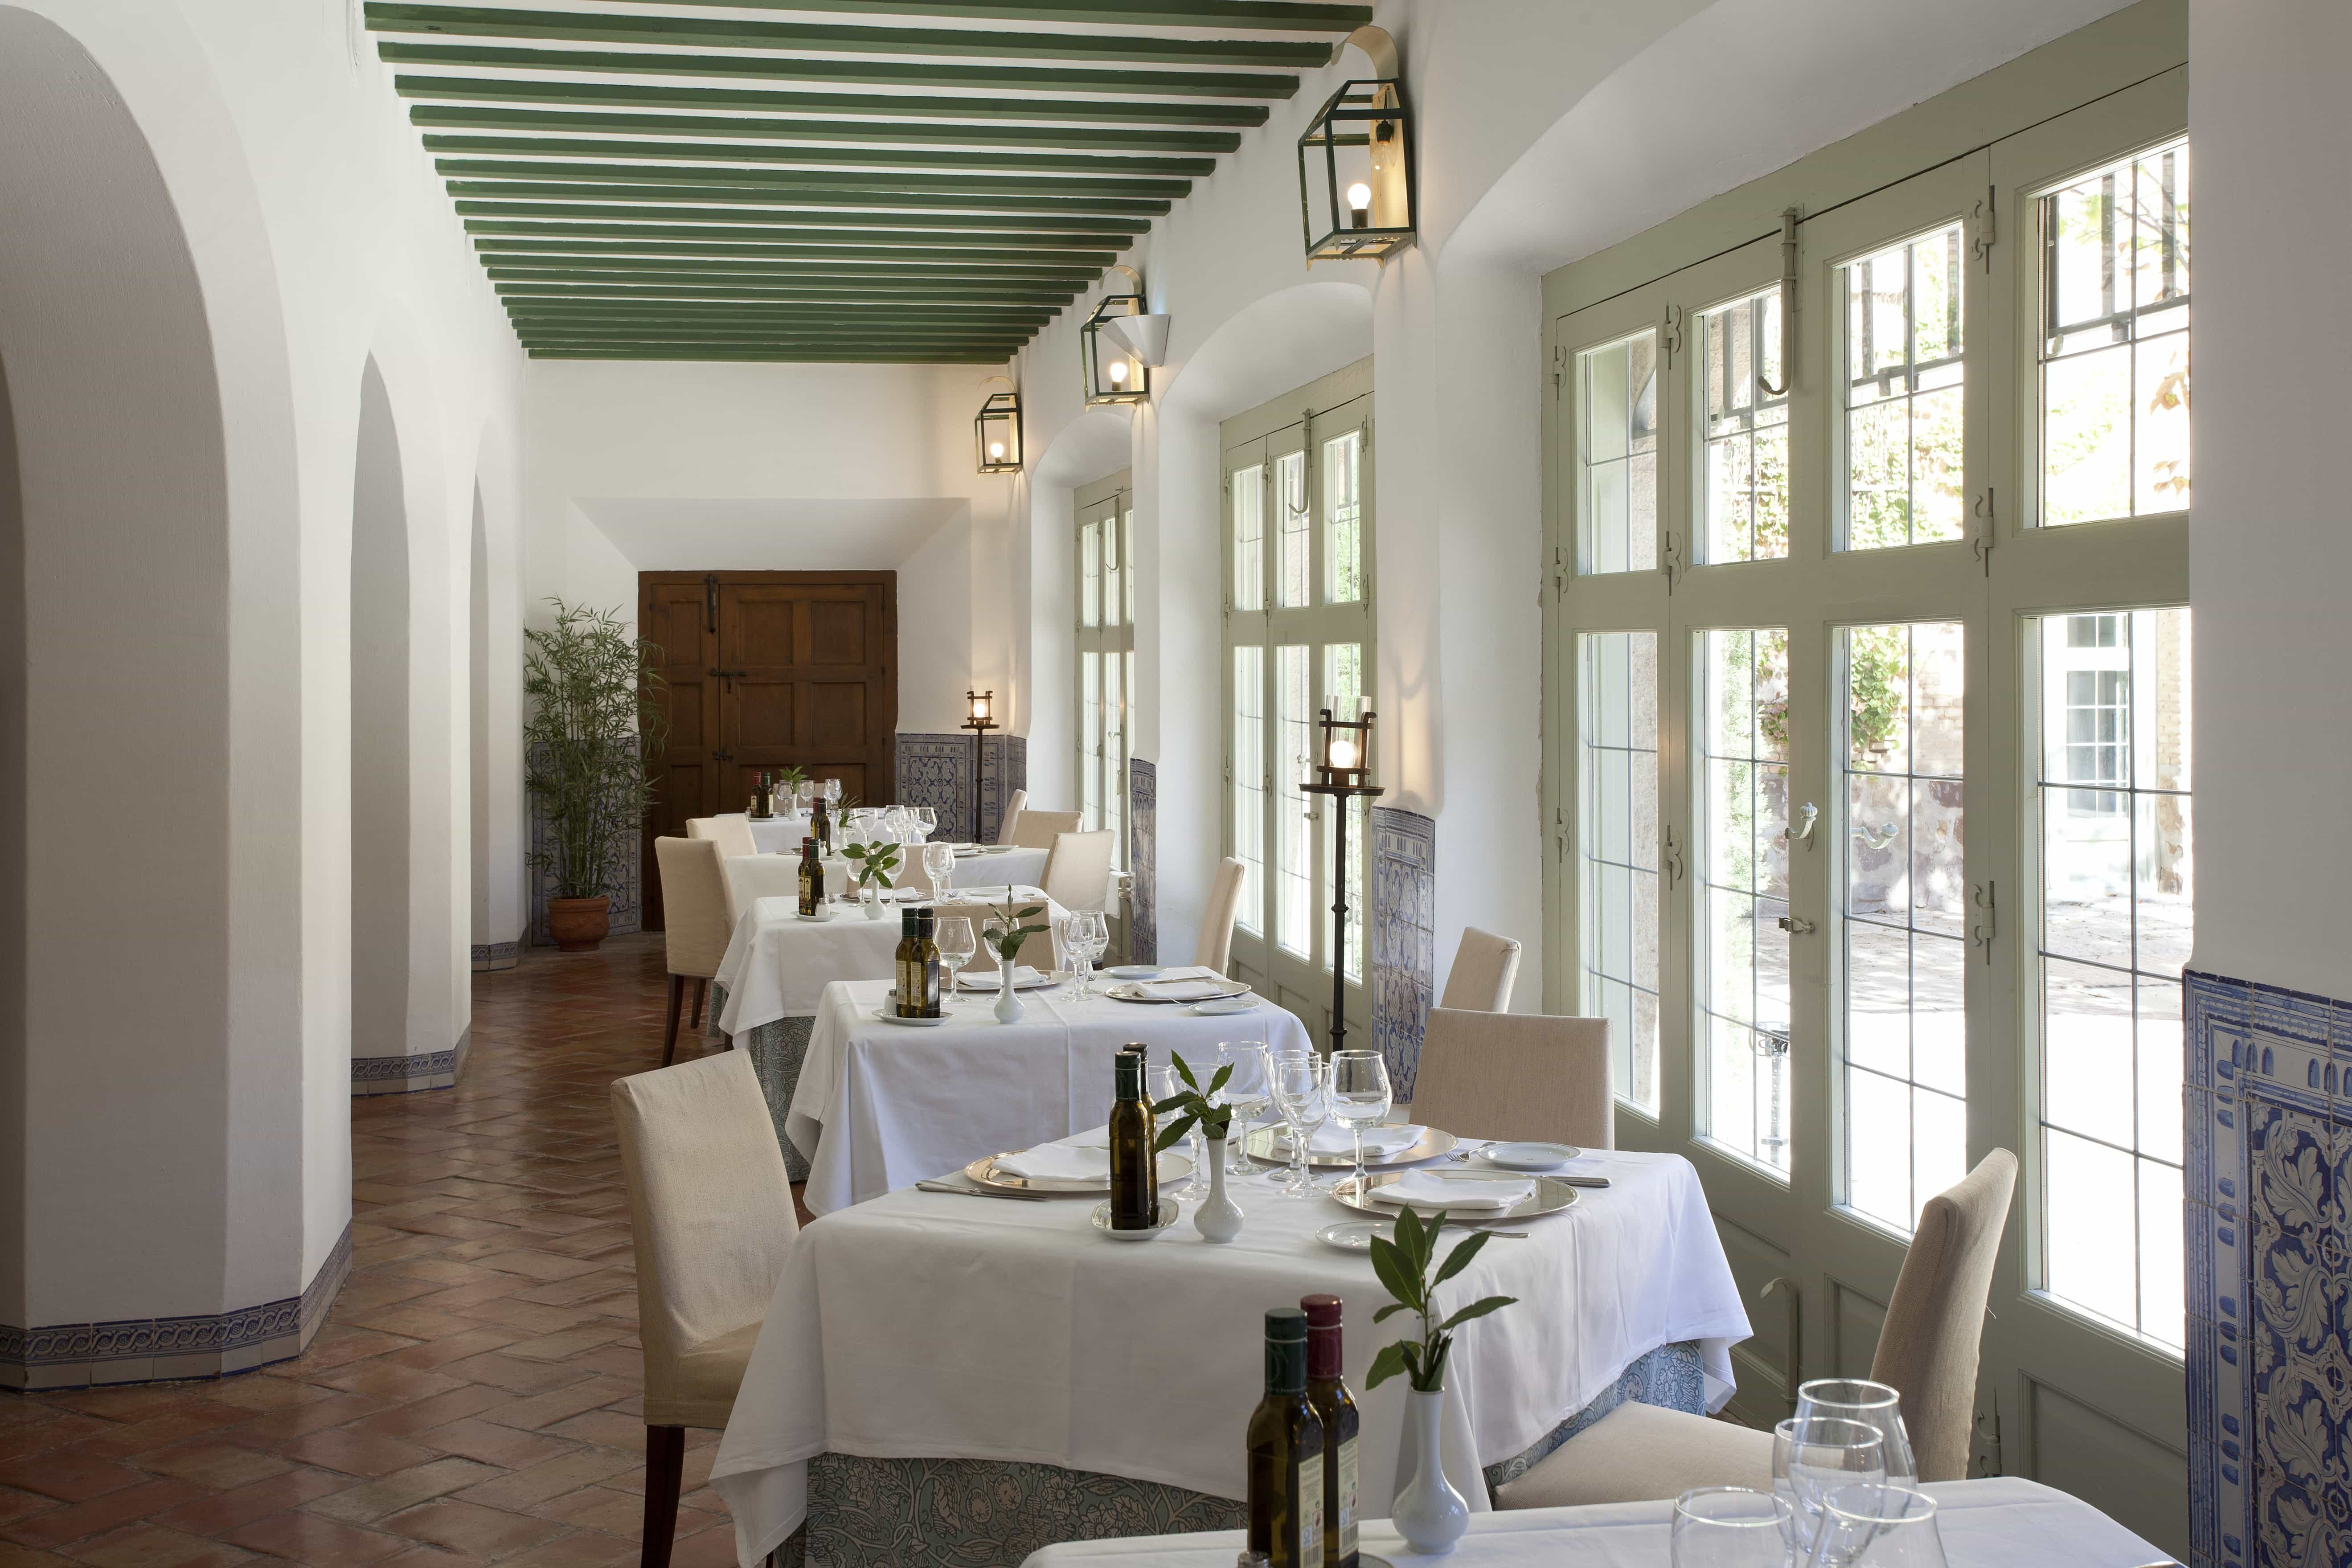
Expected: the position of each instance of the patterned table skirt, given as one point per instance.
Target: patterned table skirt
(777, 1049)
(989, 1513)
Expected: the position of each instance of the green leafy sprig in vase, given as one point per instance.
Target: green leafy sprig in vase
(1004, 929)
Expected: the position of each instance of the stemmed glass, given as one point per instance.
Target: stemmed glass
(926, 821)
(1876, 1405)
(957, 946)
(939, 860)
(1814, 1455)
(1166, 1085)
(832, 793)
(1729, 1527)
(1888, 1525)
(1087, 935)
(1360, 1097)
(1302, 1088)
(1247, 1092)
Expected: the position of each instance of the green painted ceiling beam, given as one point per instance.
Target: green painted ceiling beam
(1043, 302)
(741, 272)
(1001, 346)
(1058, 138)
(793, 356)
(645, 95)
(1097, 230)
(920, 208)
(760, 266)
(878, 241)
(747, 291)
(929, 262)
(881, 333)
(716, 312)
(726, 33)
(874, 73)
(1086, 163)
(1274, 14)
(970, 188)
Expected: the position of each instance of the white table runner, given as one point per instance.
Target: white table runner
(881, 1106)
(923, 1324)
(777, 964)
(2003, 1522)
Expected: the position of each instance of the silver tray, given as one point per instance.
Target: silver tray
(1259, 1145)
(982, 1172)
(1551, 1196)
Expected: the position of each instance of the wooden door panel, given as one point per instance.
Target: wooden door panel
(838, 634)
(674, 613)
(763, 721)
(836, 717)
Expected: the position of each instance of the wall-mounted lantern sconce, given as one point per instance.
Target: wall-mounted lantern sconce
(996, 433)
(1147, 336)
(1356, 182)
(1114, 371)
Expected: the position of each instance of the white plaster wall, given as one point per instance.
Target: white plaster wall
(2272, 550)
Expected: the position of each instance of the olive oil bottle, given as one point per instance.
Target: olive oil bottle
(1134, 1166)
(821, 823)
(927, 959)
(1327, 1390)
(812, 879)
(908, 967)
(1286, 1454)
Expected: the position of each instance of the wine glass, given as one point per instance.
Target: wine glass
(1360, 1097)
(1888, 1525)
(1088, 936)
(1166, 1084)
(1729, 1527)
(1247, 1092)
(1875, 1405)
(957, 944)
(1812, 1456)
(939, 861)
(1302, 1088)
(926, 821)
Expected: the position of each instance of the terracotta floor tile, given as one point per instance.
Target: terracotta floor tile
(468, 1527)
(69, 1477)
(409, 1420)
(316, 1539)
(586, 1549)
(403, 1488)
(54, 1528)
(391, 1382)
(220, 1512)
(354, 1453)
(604, 1429)
(278, 1426)
(495, 1445)
(562, 1346)
(213, 1465)
(516, 1376)
(153, 1546)
(546, 1409)
(26, 1557)
(33, 1437)
(520, 1488)
(711, 1549)
(15, 1504)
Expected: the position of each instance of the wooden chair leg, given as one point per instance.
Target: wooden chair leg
(665, 1468)
(701, 989)
(669, 1036)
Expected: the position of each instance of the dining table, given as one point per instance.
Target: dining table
(946, 1378)
(770, 979)
(879, 1106)
(1999, 1521)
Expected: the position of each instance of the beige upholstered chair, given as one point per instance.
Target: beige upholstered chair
(1038, 829)
(1483, 967)
(1012, 815)
(1926, 1353)
(731, 830)
(1215, 948)
(696, 927)
(710, 1210)
(1077, 868)
(1510, 1076)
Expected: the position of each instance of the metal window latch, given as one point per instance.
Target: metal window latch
(1988, 229)
(1985, 896)
(1788, 309)
(1985, 538)
(1670, 560)
(1558, 366)
(1806, 819)
(1673, 859)
(1794, 926)
(1671, 337)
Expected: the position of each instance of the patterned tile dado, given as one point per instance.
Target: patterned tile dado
(495, 955)
(398, 1075)
(1142, 861)
(937, 771)
(2268, 1119)
(1404, 938)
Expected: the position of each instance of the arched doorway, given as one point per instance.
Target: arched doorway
(380, 777)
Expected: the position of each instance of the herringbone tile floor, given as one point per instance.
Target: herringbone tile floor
(474, 1396)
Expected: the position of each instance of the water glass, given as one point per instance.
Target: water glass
(957, 947)
(1876, 1405)
(1247, 1092)
(1087, 936)
(833, 791)
(926, 821)
(1889, 1525)
(939, 863)
(1729, 1527)
(1166, 1084)
(1302, 1088)
(1812, 1457)
(1360, 1097)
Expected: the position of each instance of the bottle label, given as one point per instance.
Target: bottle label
(1309, 1493)
(1344, 1527)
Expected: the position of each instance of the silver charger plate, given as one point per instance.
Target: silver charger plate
(887, 1017)
(1551, 1196)
(1528, 1157)
(1352, 1235)
(1134, 991)
(982, 1172)
(1260, 1145)
(1169, 1209)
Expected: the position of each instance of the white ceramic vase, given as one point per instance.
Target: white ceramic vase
(872, 899)
(1009, 1009)
(1219, 1218)
(1428, 1512)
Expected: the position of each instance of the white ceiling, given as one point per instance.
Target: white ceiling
(757, 534)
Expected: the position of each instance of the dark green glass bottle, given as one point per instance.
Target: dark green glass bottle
(812, 879)
(1327, 1390)
(927, 961)
(821, 823)
(1286, 1453)
(1134, 1169)
(907, 968)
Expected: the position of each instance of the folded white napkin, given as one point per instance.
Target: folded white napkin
(1379, 1142)
(1195, 988)
(1427, 1189)
(989, 979)
(1058, 1161)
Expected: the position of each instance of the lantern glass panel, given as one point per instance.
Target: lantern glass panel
(997, 436)
(1354, 174)
(1113, 373)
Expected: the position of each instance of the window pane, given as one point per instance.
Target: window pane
(2114, 341)
(1343, 681)
(1090, 575)
(1114, 575)
(1127, 554)
(1090, 719)
(1741, 963)
(2117, 883)
(1905, 408)
(1618, 840)
(1249, 786)
(1248, 486)
(1290, 512)
(1114, 748)
(1294, 835)
(1343, 543)
(1617, 473)
(1745, 501)
(1903, 1015)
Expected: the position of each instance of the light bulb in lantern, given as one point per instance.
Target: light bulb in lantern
(1343, 753)
(996, 451)
(1118, 373)
(1360, 204)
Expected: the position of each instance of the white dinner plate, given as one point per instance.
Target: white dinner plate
(1215, 1005)
(982, 1172)
(1169, 1209)
(1551, 1196)
(1528, 1156)
(1264, 1145)
(1134, 972)
(887, 1017)
(998, 848)
(1353, 1234)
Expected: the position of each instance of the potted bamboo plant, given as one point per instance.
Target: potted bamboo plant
(598, 716)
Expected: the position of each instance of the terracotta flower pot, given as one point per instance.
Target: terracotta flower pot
(578, 925)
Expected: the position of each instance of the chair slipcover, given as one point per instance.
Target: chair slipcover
(694, 904)
(1038, 829)
(1012, 815)
(1483, 967)
(1512, 1076)
(711, 1213)
(1639, 1452)
(732, 830)
(1215, 948)
(1077, 868)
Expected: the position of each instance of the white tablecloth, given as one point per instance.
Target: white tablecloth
(779, 834)
(1014, 865)
(881, 1106)
(777, 964)
(2003, 1522)
(924, 1324)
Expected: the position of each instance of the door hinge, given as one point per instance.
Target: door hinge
(1987, 1444)
(1559, 832)
(1558, 367)
(1671, 334)
(1672, 859)
(1988, 229)
(1560, 570)
(1986, 537)
(1985, 896)
(710, 602)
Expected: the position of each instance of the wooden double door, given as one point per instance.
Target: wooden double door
(768, 670)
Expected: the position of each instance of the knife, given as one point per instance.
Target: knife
(980, 1192)
(1571, 1181)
